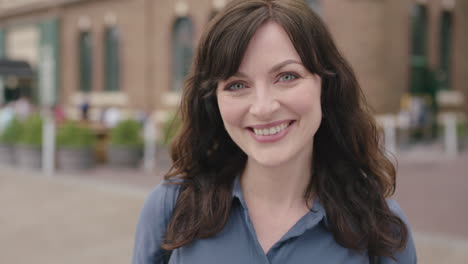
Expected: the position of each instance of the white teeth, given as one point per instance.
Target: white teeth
(271, 130)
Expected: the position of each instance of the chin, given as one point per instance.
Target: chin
(270, 160)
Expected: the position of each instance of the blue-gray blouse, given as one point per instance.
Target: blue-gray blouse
(308, 241)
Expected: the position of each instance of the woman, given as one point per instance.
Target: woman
(278, 159)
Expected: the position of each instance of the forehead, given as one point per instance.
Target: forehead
(269, 45)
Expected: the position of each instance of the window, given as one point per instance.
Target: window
(418, 55)
(111, 59)
(85, 56)
(182, 38)
(445, 49)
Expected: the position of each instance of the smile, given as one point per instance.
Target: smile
(271, 130)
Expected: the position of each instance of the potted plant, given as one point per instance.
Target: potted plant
(8, 139)
(170, 128)
(125, 144)
(75, 146)
(462, 133)
(28, 149)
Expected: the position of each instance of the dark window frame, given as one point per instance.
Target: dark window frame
(418, 56)
(182, 51)
(85, 54)
(112, 37)
(446, 50)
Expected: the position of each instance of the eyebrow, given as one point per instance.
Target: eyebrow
(275, 68)
(278, 66)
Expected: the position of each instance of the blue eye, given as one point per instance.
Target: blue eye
(287, 77)
(235, 86)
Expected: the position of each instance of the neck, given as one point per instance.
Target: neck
(277, 187)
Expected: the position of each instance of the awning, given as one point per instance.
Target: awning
(16, 68)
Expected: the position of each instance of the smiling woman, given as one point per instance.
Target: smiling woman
(278, 159)
(276, 100)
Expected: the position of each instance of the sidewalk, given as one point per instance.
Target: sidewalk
(90, 217)
(57, 220)
(442, 249)
(432, 188)
(433, 191)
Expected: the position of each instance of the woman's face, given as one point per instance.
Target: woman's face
(271, 106)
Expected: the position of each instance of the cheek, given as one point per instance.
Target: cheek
(307, 102)
(230, 112)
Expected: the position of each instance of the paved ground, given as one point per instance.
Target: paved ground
(90, 217)
(57, 221)
(434, 193)
(433, 190)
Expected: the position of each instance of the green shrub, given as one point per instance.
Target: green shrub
(170, 128)
(31, 133)
(462, 130)
(12, 132)
(73, 135)
(126, 133)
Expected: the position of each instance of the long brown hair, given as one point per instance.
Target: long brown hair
(352, 176)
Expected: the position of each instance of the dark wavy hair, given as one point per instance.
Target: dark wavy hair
(351, 174)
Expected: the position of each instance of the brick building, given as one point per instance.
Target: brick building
(135, 53)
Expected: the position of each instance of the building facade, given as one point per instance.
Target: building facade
(135, 54)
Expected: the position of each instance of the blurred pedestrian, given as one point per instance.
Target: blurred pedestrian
(84, 109)
(111, 116)
(278, 159)
(23, 108)
(141, 116)
(7, 114)
(59, 113)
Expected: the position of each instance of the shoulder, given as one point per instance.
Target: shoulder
(396, 209)
(166, 190)
(408, 254)
(154, 217)
(162, 199)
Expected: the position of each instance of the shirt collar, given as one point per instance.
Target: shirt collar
(316, 214)
(237, 192)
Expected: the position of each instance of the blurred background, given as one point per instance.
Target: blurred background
(89, 91)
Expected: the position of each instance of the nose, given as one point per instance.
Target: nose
(264, 104)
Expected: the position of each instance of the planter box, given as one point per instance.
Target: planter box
(124, 156)
(7, 155)
(75, 159)
(28, 156)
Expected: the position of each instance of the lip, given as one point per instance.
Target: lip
(271, 138)
(273, 124)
